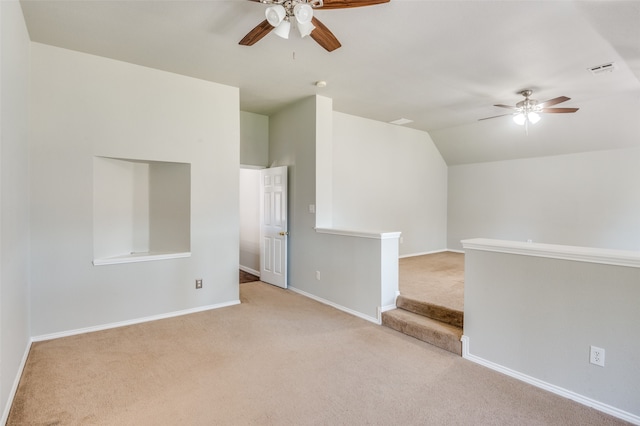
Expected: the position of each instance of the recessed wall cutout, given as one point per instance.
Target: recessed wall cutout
(141, 210)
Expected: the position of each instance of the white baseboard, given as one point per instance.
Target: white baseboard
(431, 252)
(423, 253)
(250, 271)
(388, 308)
(581, 399)
(133, 321)
(455, 251)
(14, 387)
(335, 305)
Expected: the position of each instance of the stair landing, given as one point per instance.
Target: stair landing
(437, 333)
(431, 302)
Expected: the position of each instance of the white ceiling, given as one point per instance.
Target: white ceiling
(442, 64)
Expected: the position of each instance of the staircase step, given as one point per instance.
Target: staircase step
(439, 313)
(437, 333)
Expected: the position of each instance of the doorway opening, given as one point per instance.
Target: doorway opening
(264, 224)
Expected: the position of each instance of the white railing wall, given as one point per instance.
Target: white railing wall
(534, 310)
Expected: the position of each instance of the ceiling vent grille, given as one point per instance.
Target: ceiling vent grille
(604, 68)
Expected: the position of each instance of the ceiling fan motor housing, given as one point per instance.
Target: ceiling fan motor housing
(289, 5)
(527, 105)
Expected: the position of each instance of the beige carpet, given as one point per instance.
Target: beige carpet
(435, 278)
(277, 359)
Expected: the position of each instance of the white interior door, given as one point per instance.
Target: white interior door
(273, 226)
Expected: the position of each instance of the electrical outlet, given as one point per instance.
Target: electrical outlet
(199, 283)
(597, 356)
(318, 275)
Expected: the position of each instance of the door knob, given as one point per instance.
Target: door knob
(283, 233)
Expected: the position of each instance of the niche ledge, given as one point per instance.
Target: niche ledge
(138, 257)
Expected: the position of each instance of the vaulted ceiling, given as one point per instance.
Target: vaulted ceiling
(442, 64)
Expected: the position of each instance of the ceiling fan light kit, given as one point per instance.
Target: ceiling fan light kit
(280, 17)
(527, 110)
(281, 14)
(523, 118)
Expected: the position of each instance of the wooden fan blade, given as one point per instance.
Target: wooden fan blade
(553, 101)
(343, 4)
(558, 110)
(323, 36)
(256, 34)
(506, 106)
(495, 116)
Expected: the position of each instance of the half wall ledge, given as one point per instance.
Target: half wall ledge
(360, 234)
(139, 257)
(553, 251)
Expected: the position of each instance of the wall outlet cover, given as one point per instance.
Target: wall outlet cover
(596, 356)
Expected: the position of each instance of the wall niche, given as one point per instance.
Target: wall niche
(141, 210)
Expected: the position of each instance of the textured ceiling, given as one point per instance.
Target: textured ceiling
(442, 64)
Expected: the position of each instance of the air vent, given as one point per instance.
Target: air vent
(604, 68)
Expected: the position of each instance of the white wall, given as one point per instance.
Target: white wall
(169, 207)
(84, 106)
(14, 193)
(590, 199)
(324, 163)
(254, 139)
(352, 268)
(292, 144)
(250, 220)
(390, 178)
(254, 154)
(120, 207)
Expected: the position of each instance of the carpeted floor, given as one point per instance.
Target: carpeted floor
(278, 358)
(436, 278)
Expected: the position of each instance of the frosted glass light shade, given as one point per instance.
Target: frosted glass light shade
(533, 117)
(519, 119)
(305, 28)
(275, 14)
(283, 29)
(303, 13)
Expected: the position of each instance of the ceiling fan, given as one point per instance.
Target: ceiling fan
(527, 111)
(282, 13)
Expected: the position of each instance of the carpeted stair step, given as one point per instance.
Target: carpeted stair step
(436, 312)
(437, 333)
